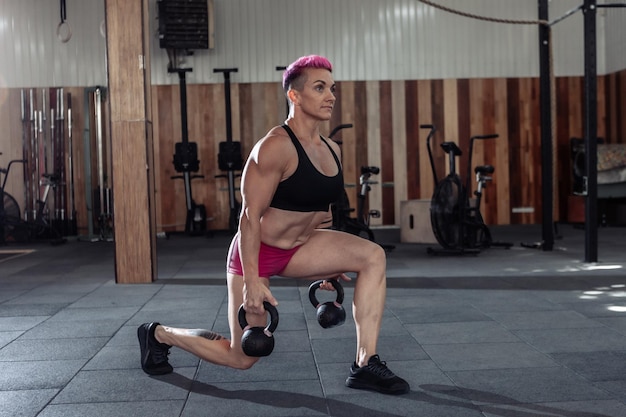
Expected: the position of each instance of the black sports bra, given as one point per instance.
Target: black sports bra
(307, 189)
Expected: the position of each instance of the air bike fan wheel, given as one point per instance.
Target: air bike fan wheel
(12, 219)
(445, 212)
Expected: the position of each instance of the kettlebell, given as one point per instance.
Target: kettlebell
(258, 341)
(331, 313)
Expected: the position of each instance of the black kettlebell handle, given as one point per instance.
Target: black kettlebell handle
(335, 283)
(270, 328)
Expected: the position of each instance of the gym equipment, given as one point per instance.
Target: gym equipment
(73, 226)
(97, 166)
(458, 224)
(360, 224)
(186, 161)
(12, 227)
(331, 313)
(258, 341)
(341, 208)
(10, 217)
(229, 158)
(185, 24)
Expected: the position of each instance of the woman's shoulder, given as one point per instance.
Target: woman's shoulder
(276, 142)
(276, 136)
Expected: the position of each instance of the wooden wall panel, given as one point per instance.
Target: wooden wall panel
(377, 129)
(620, 102)
(615, 93)
(399, 146)
(413, 139)
(385, 149)
(425, 116)
(349, 137)
(499, 189)
(386, 116)
(78, 155)
(10, 116)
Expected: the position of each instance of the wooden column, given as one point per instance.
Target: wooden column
(131, 140)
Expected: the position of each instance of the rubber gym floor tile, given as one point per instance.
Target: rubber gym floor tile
(125, 385)
(475, 356)
(526, 385)
(425, 298)
(20, 323)
(96, 313)
(110, 300)
(593, 339)
(508, 301)
(562, 319)
(595, 366)
(128, 357)
(25, 403)
(616, 323)
(464, 332)
(17, 376)
(598, 309)
(415, 403)
(29, 310)
(334, 350)
(286, 321)
(177, 292)
(616, 388)
(257, 399)
(285, 366)
(55, 349)
(598, 408)
(292, 341)
(39, 297)
(169, 408)
(9, 294)
(160, 304)
(8, 337)
(172, 316)
(439, 314)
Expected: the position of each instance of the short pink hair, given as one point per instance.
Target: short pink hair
(296, 68)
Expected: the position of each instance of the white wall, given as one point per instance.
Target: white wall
(365, 39)
(31, 55)
(615, 29)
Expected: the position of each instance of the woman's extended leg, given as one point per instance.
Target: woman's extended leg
(206, 344)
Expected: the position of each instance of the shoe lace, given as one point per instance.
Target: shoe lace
(159, 354)
(380, 369)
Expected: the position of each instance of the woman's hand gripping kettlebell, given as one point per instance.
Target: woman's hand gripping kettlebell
(330, 313)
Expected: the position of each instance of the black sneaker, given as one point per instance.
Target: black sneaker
(376, 376)
(153, 354)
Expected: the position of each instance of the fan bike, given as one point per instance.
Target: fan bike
(456, 220)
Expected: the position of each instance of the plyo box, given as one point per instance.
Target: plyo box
(415, 224)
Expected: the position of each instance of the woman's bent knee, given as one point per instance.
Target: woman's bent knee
(377, 258)
(245, 362)
(240, 360)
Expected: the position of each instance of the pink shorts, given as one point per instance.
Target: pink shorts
(272, 260)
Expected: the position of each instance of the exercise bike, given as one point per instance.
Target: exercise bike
(13, 228)
(341, 210)
(10, 215)
(458, 224)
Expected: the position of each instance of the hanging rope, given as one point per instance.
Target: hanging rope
(488, 19)
(553, 109)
